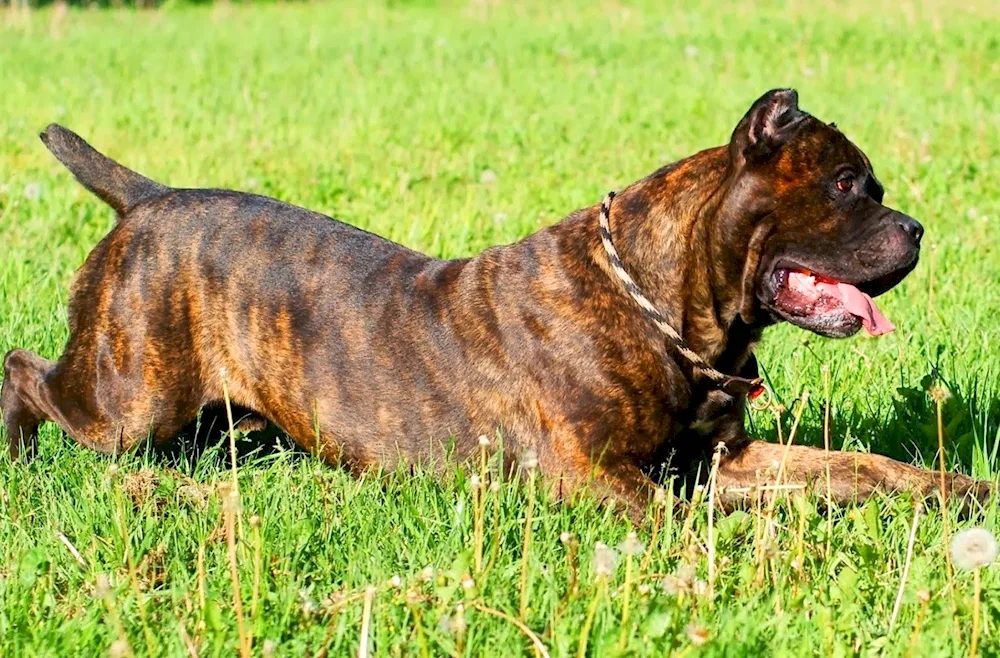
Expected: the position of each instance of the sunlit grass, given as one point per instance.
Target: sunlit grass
(449, 130)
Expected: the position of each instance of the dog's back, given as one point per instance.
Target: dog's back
(313, 324)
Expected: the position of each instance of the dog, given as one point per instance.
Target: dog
(609, 343)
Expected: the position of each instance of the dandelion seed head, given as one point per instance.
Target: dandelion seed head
(529, 460)
(605, 560)
(939, 393)
(631, 546)
(231, 501)
(484, 441)
(973, 548)
(103, 586)
(453, 624)
(395, 582)
(32, 191)
(119, 649)
(309, 606)
(444, 624)
(332, 602)
(697, 634)
(685, 574)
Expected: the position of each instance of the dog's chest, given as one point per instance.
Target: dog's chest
(710, 413)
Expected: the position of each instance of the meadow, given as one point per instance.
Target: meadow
(450, 128)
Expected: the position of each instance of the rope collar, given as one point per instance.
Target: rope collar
(730, 384)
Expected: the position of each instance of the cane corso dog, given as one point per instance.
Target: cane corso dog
(371, 355)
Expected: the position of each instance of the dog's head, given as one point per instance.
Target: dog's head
(820, 244)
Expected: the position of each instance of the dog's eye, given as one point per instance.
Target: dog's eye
(845, 183)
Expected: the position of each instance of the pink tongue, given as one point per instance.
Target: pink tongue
(859, 304)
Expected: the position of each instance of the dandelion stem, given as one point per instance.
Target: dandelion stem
(800, 553)
(230, 502)
(906, 568)
(72, 549)
(232, 431)
(366, 619)
(526, 547)
(712, 480)
(975, 613)
(918, 623)
(419, 626)
(626, 596)
(826, 455)
(147, 634)
(657, 520)
(186, 639)
(945, 530)
(692, 507)
(478, 509)
(201, 578)
(257, 567)
(581, 649)
(109, 601)
(535, 640)
(479, 503)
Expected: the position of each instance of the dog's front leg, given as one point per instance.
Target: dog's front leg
(623, 485)
(628, 485)
(854, 476)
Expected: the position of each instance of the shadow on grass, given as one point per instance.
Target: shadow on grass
(908, 430)
(205, 442)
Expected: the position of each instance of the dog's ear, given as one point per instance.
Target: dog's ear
(769, 123)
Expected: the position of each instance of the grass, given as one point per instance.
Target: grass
(450, 129)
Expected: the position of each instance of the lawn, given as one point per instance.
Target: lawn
(450, 129)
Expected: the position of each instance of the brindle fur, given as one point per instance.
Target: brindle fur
(388, 355)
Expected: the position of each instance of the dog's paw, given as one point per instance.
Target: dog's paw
(251, 423)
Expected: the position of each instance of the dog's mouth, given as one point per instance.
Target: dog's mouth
(829, 306)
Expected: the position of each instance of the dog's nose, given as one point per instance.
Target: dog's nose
(911, 227)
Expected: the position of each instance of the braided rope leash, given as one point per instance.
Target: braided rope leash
(730, 384)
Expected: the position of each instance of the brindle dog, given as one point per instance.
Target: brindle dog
(371, 354)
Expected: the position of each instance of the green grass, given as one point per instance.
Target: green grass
(387, 118)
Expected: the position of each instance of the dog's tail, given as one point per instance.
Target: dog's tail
(119, 187)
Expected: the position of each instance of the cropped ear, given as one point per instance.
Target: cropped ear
(769, 123)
